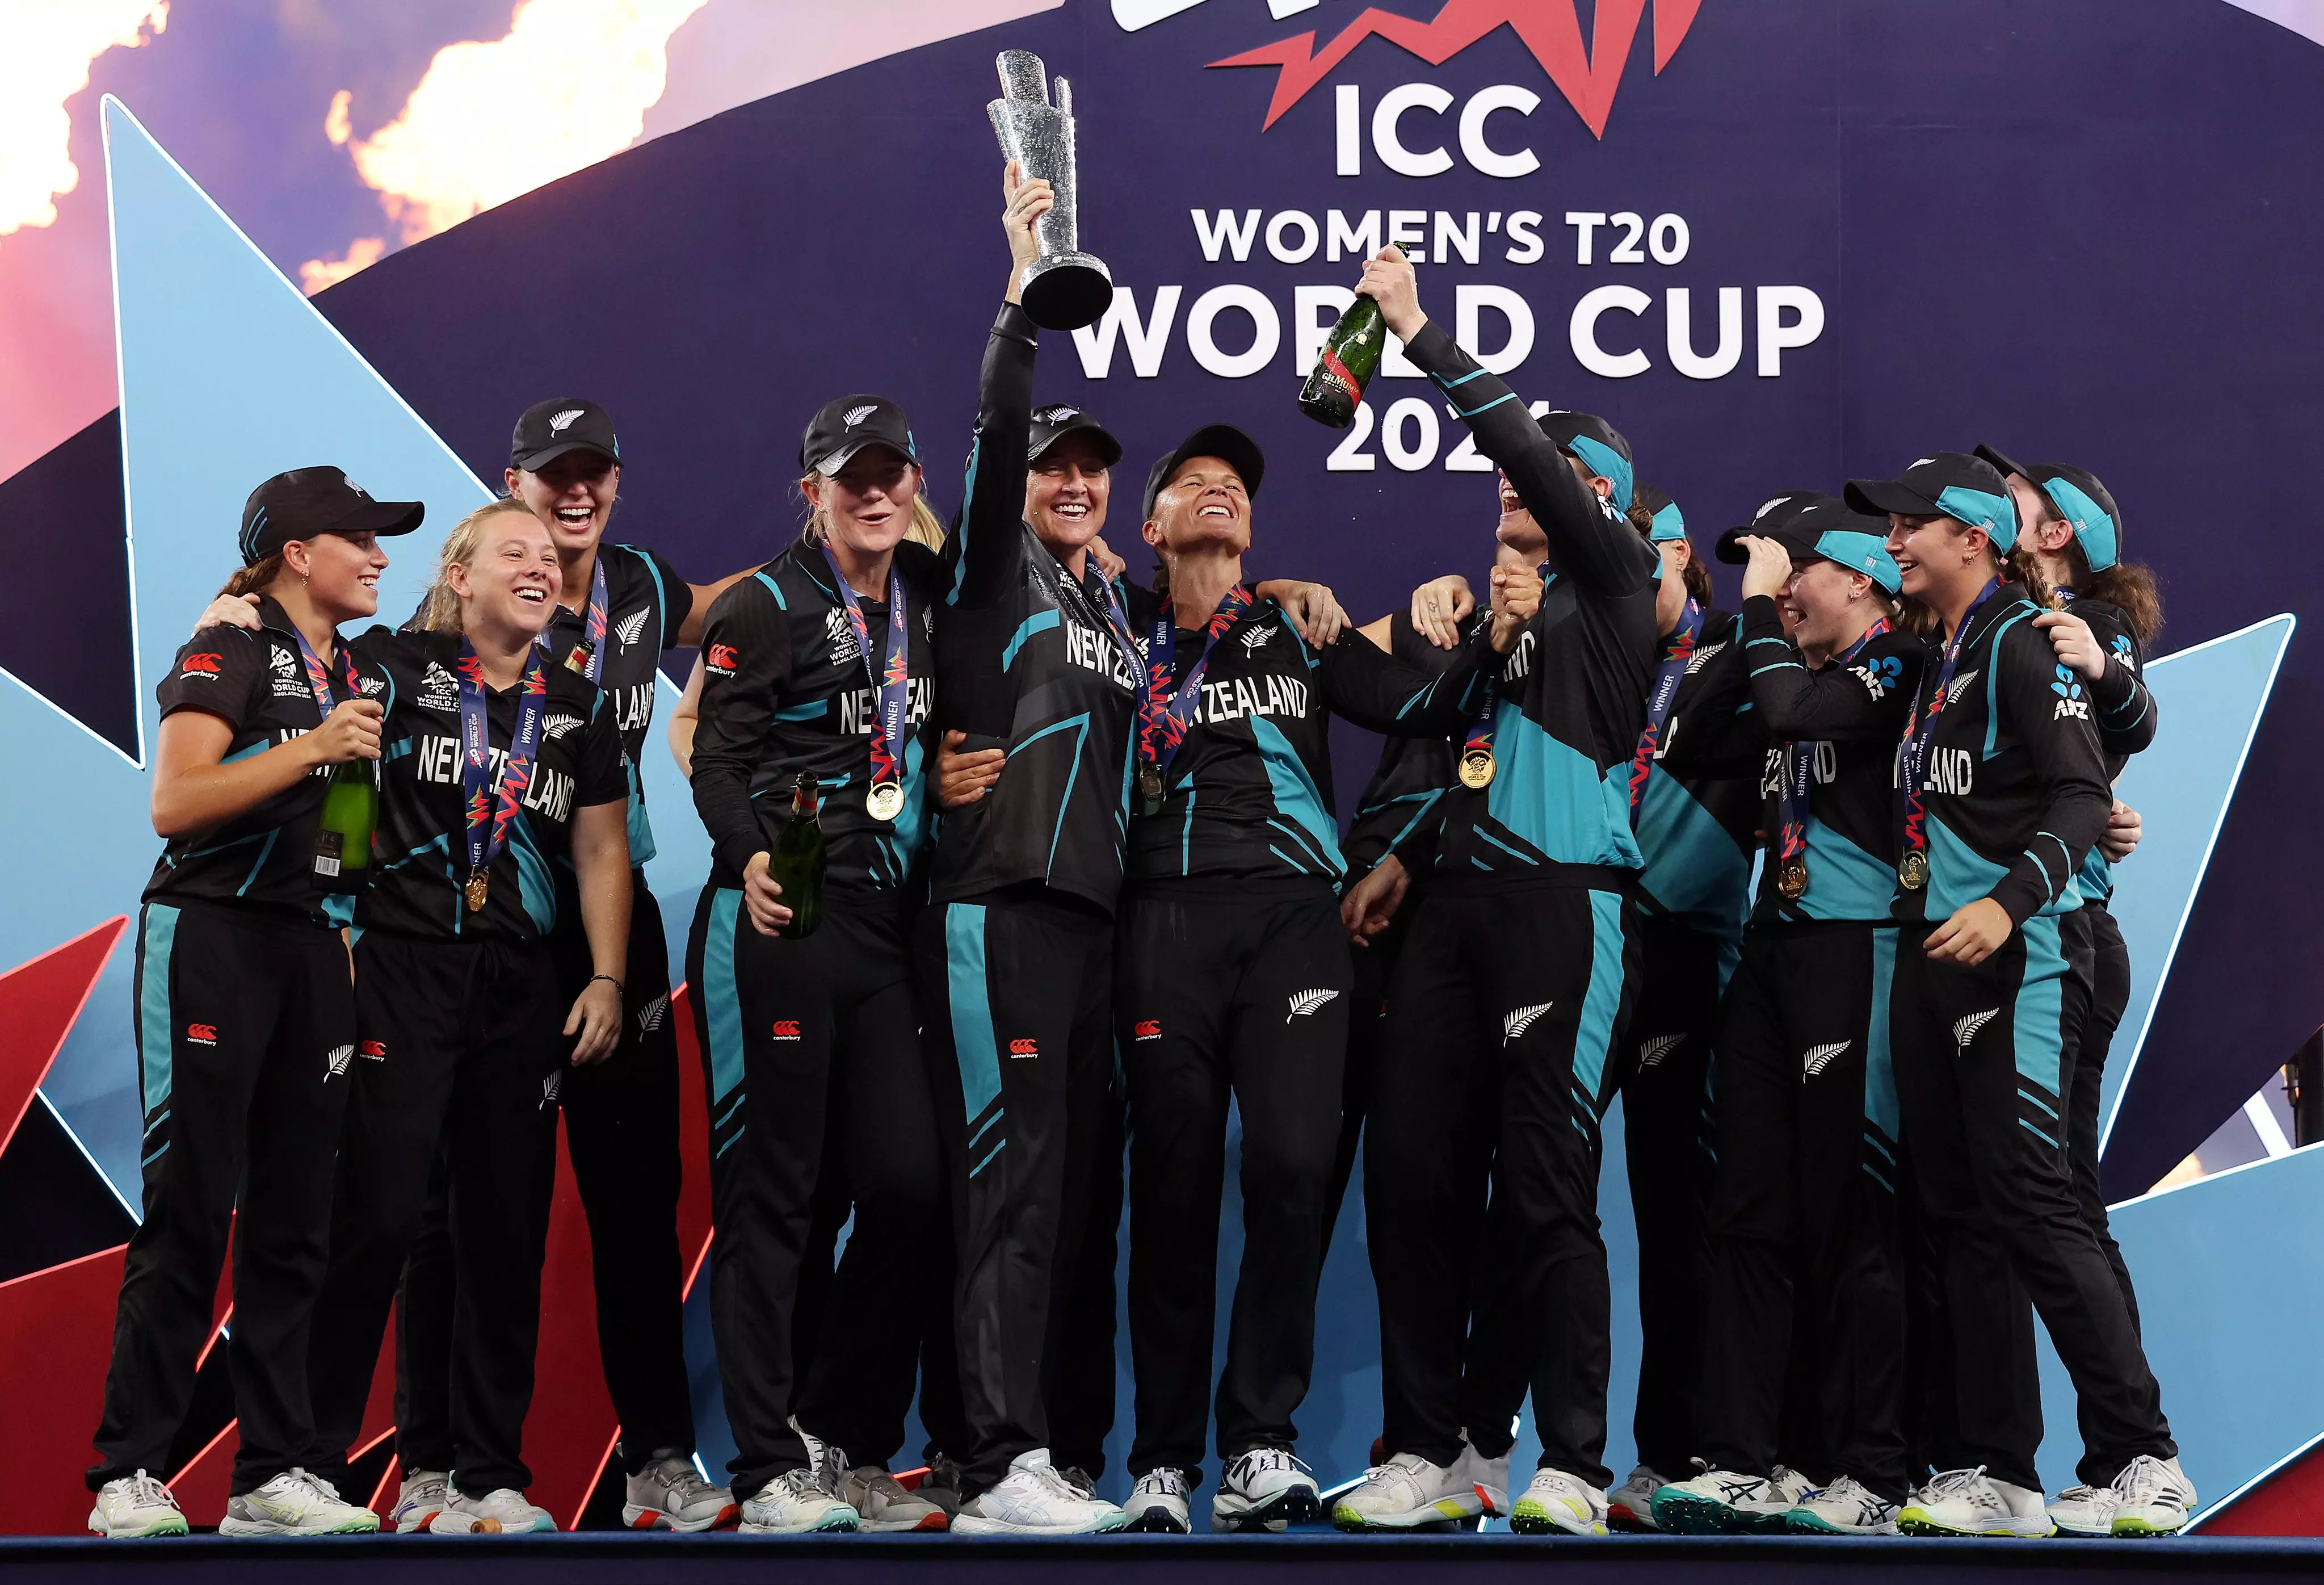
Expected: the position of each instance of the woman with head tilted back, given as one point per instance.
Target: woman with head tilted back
(2002, 793)
(503, 803)
(245, 1021)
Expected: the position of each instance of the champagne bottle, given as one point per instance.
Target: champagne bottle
(796, 861)
(1351, 358)
(343, 832)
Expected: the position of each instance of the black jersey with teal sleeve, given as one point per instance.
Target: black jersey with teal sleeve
(419, 857)
(2125, 714)
(646, 603)
(1571, 698)
(785, 689)
(1249, 799)
(256, 684)
(1854, 714)
(1697, 823)
(2015, 788)
(1401, 808)
(1028, 660)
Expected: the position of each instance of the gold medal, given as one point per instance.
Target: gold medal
(1914, 870)
(884, 800)
(1477, 768)
(478, 885)
(1149, 788)
(1792, 879)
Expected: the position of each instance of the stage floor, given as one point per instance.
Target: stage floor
(601, 1558)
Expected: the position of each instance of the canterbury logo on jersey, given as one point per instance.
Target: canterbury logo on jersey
(373, 1051)
(1517, 1020)
(721, 658)
(651, 1015)
(202, 1034)
(1703, 656)
(203, 665)
(335, 1060)
(784, 1029)
(1816, 1058)
(1965, 1030)
(549, 793)
(1652, 1052)
(633, 627)
(550, 1089)
(1264, 695)
(1024, 1048)
(1147, 1029)
(1304, 1002)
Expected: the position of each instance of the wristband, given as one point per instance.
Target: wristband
(608, 979)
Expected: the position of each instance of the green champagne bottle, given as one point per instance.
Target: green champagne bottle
(1351, 358)
(796, 861)
(343, 833)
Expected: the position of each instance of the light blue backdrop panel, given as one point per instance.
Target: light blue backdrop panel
(2210, 698)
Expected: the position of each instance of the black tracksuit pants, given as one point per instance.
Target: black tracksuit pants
(1805, 1258)
(1507, 1005)
(461, 1042)
(1373, 966)
(621, 1130)
(1080, 1366)
(807, 1041)
(1017, 989)
(1983, 1058)
(1663, 1072)
(245, 1023)
(1227, 996)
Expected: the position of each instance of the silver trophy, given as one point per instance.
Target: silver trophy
(1064, 288)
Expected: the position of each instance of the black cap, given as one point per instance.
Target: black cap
(1597, 445)
(2080, 499)
(1054, 422)
(308, 501)
(1221, 440)
(547, 429)
(1944, 484)
(844, 425)
(2001, 464)
(1811, 524)
(1669, 521)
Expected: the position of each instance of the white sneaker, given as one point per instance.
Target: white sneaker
(795, 1503)
(883, 1505)
(502, 1511)
(1408, 1492)
(1557, 1501)
(1489, 1478)
(295, 1503)
(1726, 1502)
(829, 1464)
(1845, 1508)
(423, 1494)
(1265, 1488)
(1158, 1503)
(670, 1493)
(137, 1505)
(1967, 1502)
(1631, 1505)
(1034, 1499)
(2084, 1510)
(2151, 1497)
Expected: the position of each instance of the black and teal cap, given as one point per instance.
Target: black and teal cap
(1944, 484)
(1811, 524)
(1670, 524)
(1598, 446)
(2080, 499)
(308, 501)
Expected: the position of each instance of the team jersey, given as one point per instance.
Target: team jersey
(1698, 820)
(1571, 698)
(2126, 718)
(1854, 714)
(256, 684)
(2015, 788)
(1031, 659)
(1248, 797)
(646, 603)
(1399, 810)
(420, 855)
(785, 689)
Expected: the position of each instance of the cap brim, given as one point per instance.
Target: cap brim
(2001, 464)
(383, 518)
(1108, 447)
(1729, 548)
(830, 466)
(1878, 497)
(534, 461)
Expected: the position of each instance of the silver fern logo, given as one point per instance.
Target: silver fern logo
(1517, 1020)
(1652, 1052)
(337, 1059)
(1965, 1030)
(1959, 686)
(1703, 656)
(550, 1089)
(1303, 1004)
(633, 626)
(1256, 637)
(856, 415)
(556, 424)
(1816, 1058)
(651, 1015)
(558, 726)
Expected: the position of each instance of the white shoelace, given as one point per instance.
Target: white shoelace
(149, 1493)
(315, 1486)
(1265, 1461)
(1053, 1482)
(1955, 1482)
(1163, 1482)
(2144, 1478)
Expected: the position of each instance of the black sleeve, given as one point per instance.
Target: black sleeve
(1863, 701)
(216, 672)
(603, 765)
(1715, 730)
(746, 660)
(1600, 549)
(2127, 716)
(677, 598)
(2064, 747)
(988, 542)
(1382, 694)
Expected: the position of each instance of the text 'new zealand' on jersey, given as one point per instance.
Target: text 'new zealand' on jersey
(1573, 696)
(1853, 714)
(785, 688)
(256, 684)
(420, 856)
(1029, 659)
(1248, 797)
(2016, 790)
(646, 603)
(1697, 822)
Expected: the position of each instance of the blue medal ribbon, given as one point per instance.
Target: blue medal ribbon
(1662, 695)
(1476, 743)
(488, 817)
(318, 675)
(591, 651)
(888, 680)
(1799, 770)
(1167, 707)
(1920, 731)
